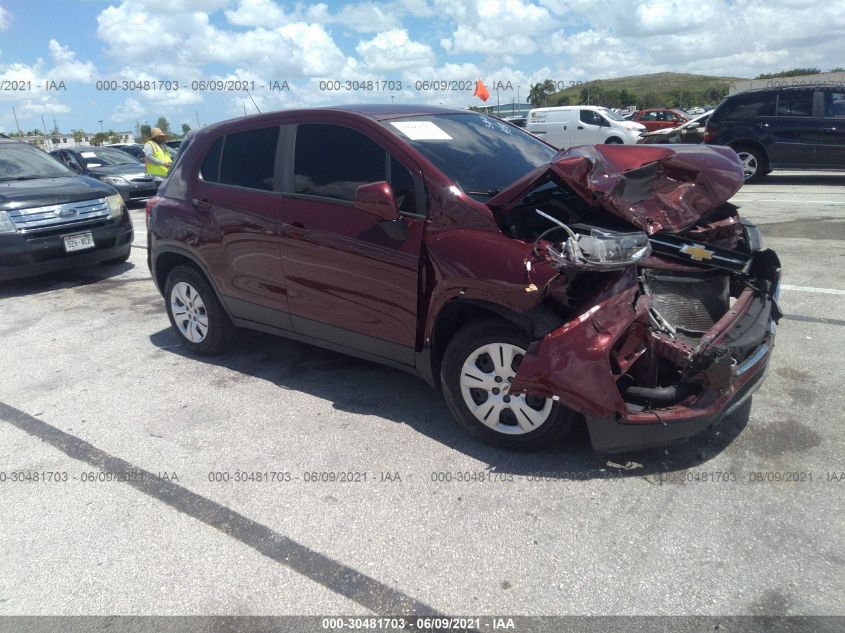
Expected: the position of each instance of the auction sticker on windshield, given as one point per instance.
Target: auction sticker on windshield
(421, 130)
(78, 241)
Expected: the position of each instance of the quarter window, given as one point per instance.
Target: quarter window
(333, 161)
(747, 106)
(210, 169)
(834, 104)
(249, 159)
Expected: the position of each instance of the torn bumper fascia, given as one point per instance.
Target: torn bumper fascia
(573, 365)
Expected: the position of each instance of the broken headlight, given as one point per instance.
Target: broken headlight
(596, 248)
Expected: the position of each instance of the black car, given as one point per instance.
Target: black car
(52, 218)
(122, 171)
(133, 149)
(691, 132)
(782, 128)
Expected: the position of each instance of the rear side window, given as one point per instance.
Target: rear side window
(333, 161)
(747, 106)
(795, 103)
(249, 159)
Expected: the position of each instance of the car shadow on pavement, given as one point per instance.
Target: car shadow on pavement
(358, 386)
(62, 279)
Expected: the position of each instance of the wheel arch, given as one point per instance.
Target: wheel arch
(168, 258)
(456, 313)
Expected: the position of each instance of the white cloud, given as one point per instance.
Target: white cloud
(5, 18)
(393, 50)
(67, 67)
(493, 26)
(257, 13)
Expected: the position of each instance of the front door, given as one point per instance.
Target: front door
(830, 151)
(351, 279)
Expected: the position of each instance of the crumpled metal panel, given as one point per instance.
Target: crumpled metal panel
(654, 188)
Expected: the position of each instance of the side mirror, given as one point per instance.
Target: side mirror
(376, 198)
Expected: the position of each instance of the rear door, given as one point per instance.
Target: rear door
(793, 131)
(352, 277)
(830, 150)
(238, 192)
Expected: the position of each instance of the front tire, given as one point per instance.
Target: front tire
(478, 366)
(614, 141)
(196, 313)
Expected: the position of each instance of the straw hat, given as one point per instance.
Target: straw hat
(157, 133)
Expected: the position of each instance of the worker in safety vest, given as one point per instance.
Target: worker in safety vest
(156, 157)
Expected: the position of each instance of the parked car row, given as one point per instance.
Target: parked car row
(769, 128)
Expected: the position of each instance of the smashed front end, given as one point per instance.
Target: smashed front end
(668, 301)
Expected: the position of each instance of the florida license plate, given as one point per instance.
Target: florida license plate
(78, 242)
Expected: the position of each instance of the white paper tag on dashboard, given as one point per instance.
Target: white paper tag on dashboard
(421, 130)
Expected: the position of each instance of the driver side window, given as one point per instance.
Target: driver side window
(590, 117)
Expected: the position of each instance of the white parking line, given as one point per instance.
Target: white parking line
(826, 291)
(752, 199)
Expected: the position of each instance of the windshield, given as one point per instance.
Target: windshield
(610, 114)
(479, 153)
(24, 162)
(98, 157)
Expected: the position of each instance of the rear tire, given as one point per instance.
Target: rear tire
(754, 163)
(614, 141)
(196, 313)
(477, 367)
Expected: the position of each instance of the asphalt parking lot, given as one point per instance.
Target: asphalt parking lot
(746, 520)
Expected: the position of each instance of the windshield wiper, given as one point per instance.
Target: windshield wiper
(489, 193)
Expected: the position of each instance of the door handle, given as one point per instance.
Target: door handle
(202, 203)
(829, 129)
(761, 124)
(295, 230)
(580, 127)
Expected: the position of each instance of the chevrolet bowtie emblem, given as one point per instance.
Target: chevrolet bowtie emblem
(697, 252)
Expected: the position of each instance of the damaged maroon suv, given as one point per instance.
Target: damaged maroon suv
(532, 286)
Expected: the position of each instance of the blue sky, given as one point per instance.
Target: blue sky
(360, 45)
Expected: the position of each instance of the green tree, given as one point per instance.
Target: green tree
(146, 130)
(792, 72)
(163, 125)
(78, 135)
(185, 128)
(99, 139)
(539, 94)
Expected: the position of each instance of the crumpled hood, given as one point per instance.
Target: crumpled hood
(653, 187)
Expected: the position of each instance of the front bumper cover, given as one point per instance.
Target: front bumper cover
(577, 366)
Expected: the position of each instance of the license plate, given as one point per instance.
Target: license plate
(78, 242)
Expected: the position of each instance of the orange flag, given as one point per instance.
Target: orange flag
(481, 91)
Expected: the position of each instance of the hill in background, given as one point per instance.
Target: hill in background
(646, 91)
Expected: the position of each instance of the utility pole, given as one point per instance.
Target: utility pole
(47, 144)
(100, 121)
(17, 125)
(197, 112)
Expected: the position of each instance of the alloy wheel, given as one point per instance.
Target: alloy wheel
(749, 164)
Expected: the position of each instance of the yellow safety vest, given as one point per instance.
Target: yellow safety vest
(160, 153)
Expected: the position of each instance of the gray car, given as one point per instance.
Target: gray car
(122, 171)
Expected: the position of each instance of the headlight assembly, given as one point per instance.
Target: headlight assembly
(115, 203)
(114, 180)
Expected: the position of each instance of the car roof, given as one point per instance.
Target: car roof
(373, 111)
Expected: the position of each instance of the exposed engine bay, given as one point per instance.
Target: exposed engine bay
(660, 230)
